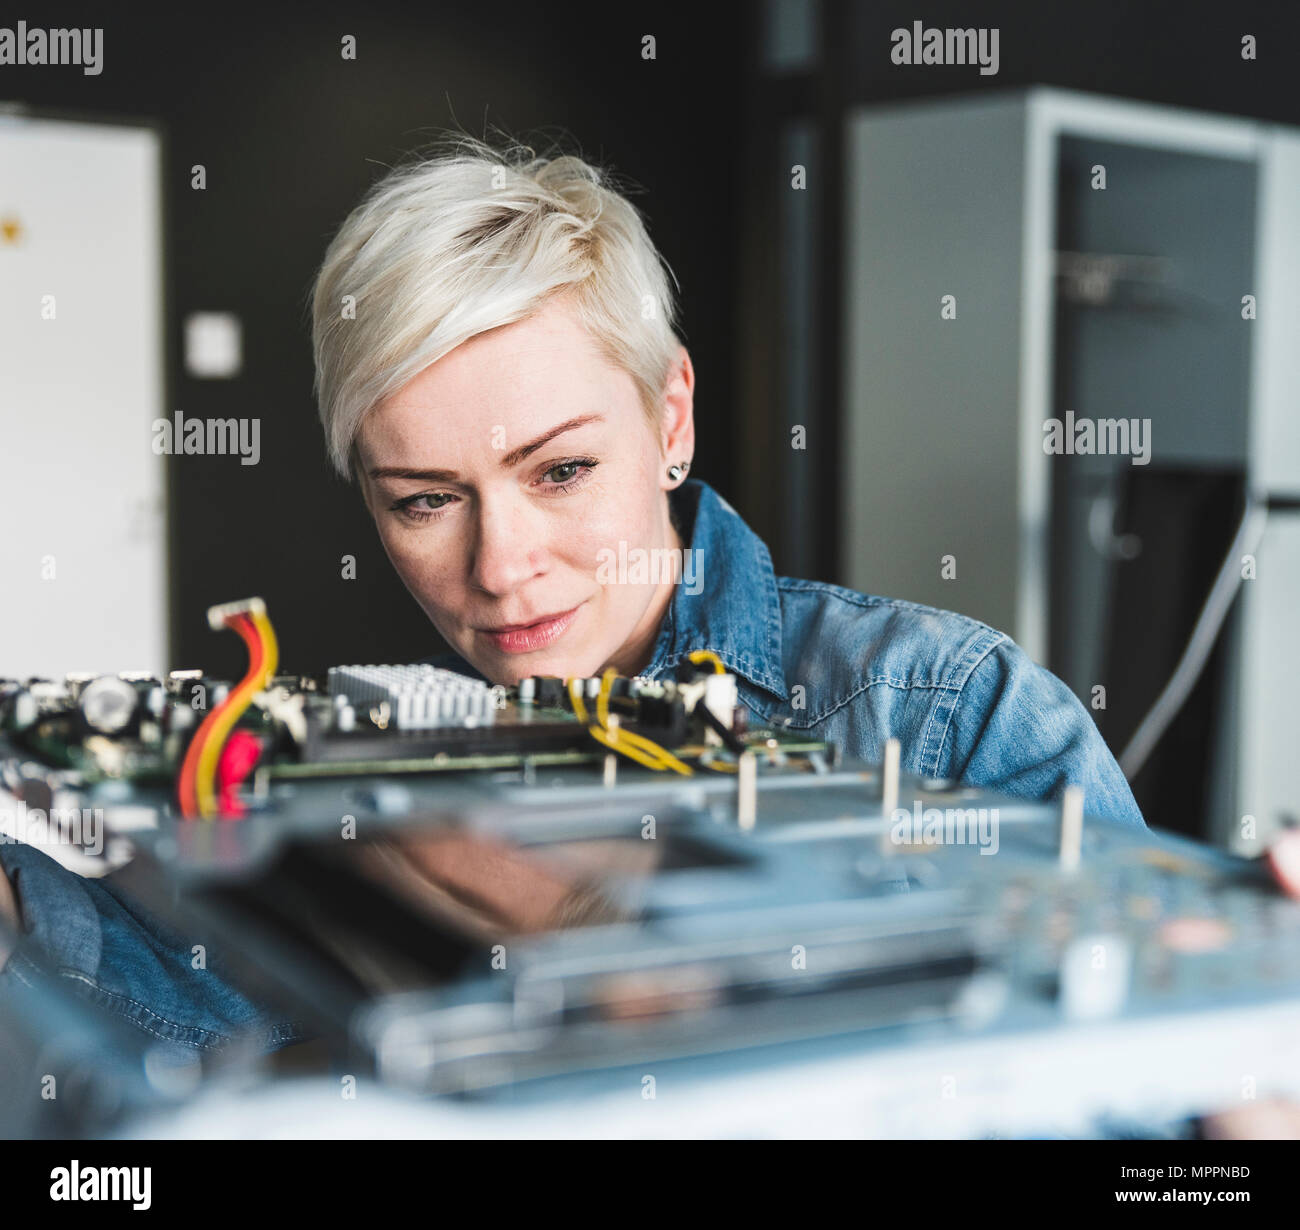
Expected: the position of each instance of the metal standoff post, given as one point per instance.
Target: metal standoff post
(889, 790)
(747, 789)
(1071, 828)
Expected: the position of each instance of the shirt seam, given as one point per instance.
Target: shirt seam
(964, 667)
(114, 1000)
(1001, 638)
(865, 685)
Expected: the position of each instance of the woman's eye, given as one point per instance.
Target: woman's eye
(562, 478)
(419, 507)
(567, 474)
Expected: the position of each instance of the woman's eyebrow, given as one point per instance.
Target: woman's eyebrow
(527, 450)
(512, 458)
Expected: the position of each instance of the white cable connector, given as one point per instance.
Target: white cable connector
(218, 615)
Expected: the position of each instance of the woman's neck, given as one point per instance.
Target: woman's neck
(634, 655)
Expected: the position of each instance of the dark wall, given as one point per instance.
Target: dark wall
(291, 135)
(1186, 52)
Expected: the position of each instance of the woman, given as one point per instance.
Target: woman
(497, 369)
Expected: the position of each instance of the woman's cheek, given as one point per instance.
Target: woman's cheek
(419, 567)
(602, 529)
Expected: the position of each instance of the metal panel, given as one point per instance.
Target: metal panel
(932, 433)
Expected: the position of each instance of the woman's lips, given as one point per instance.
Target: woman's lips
(534, 636)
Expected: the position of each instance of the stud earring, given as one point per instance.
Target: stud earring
(675, 472)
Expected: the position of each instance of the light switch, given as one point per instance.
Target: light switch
(214, 348)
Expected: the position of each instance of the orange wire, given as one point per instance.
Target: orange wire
(186, 789)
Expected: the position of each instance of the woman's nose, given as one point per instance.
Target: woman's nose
(508, 549)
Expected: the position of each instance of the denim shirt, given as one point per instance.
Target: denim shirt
(95, 940)
(963, 700)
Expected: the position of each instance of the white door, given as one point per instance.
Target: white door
(82, 541)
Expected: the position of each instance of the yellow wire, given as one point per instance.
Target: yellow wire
(598, 732)
(271, 644)
(660, 753)
(617, 744)
(575, 698)
(602, 697)
(707, 655)
(206, 774)
(667, 759)
(628, 743)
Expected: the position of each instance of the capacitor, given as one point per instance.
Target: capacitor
(108, 704)
(550, 691)
(23, 710)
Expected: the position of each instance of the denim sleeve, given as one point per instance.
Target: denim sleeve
(110, 950)
(1017, 728)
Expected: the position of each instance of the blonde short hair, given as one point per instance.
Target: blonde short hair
(464, 238)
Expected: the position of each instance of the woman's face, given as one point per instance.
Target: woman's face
(503, 479)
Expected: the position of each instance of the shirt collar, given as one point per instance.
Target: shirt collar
(735, 609)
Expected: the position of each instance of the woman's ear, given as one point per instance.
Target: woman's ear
(678, 432)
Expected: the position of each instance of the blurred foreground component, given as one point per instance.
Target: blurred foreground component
(562, 903)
